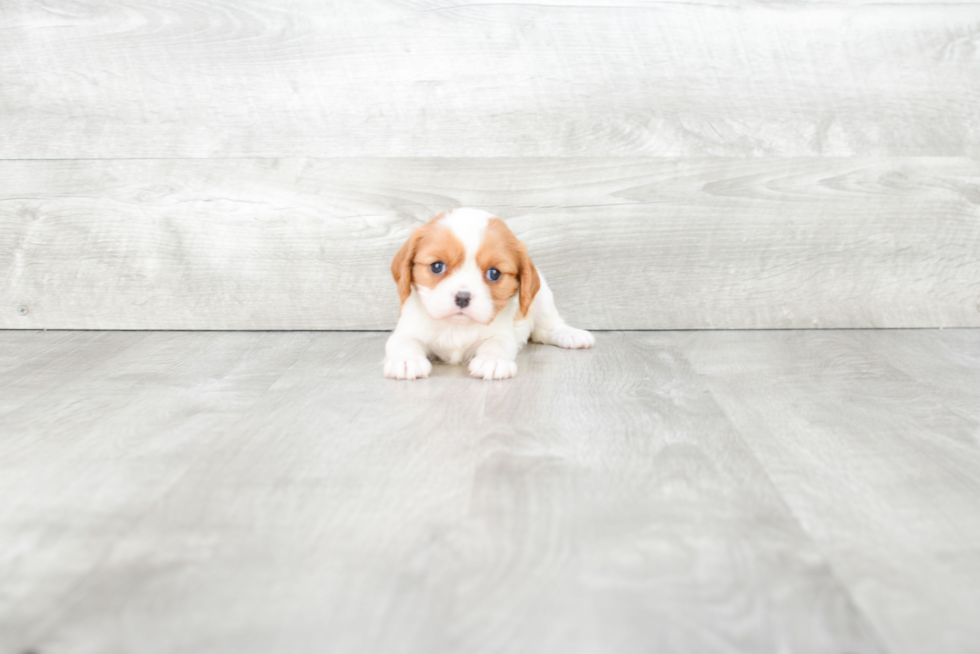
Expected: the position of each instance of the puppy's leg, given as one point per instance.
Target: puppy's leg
(495, 358)
(549, 328)
(405, 358)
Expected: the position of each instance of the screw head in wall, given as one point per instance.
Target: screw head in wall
(22, 310)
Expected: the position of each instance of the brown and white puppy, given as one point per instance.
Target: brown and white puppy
(470, 294)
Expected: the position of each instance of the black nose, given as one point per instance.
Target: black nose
(462, 299)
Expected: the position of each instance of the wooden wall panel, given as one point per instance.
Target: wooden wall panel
(444, 78)
(637, 243)
(253, 165)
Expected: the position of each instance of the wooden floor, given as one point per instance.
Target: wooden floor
(239, 492)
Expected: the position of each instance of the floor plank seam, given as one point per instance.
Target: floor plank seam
(828, 561)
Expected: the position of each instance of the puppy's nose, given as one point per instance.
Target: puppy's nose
(462, 299)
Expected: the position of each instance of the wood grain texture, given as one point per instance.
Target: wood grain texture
(873, 438)
(83, 462)
(625, 243)
(254, 492)
(55, 359)
(462, 79)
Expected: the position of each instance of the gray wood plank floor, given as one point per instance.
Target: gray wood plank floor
(666, 492)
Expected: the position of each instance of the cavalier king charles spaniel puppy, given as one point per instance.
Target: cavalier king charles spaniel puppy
(470, 294)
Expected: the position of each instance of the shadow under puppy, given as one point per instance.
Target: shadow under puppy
(470, 294)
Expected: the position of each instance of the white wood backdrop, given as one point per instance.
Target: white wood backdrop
(254, 165)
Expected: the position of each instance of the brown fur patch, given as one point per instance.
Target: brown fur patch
(501, 250)
(437, 244)
(428, 244)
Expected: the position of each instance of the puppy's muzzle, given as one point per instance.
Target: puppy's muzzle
(462, 299)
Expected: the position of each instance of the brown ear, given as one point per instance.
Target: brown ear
(401, 266)
(530, 282)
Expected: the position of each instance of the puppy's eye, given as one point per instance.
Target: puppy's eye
(493, 274)
(438, 268)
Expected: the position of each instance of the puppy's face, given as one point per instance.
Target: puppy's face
(466, 267)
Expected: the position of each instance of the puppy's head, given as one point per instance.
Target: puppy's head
(466, 266)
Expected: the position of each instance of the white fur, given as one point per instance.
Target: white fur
(431, 326)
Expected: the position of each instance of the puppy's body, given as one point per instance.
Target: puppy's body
(482, 305)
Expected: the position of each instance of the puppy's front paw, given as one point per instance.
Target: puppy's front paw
(410, 368)
(484, 366)
(571, 338)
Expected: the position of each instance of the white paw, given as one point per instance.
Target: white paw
(488, 367)
(571, 338)
(411, 368)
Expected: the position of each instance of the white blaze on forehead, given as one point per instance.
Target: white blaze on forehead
(469, 226)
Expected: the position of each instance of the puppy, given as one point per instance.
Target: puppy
(470, 294)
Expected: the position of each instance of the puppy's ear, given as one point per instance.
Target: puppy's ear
(528, 274)
(401, 265)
